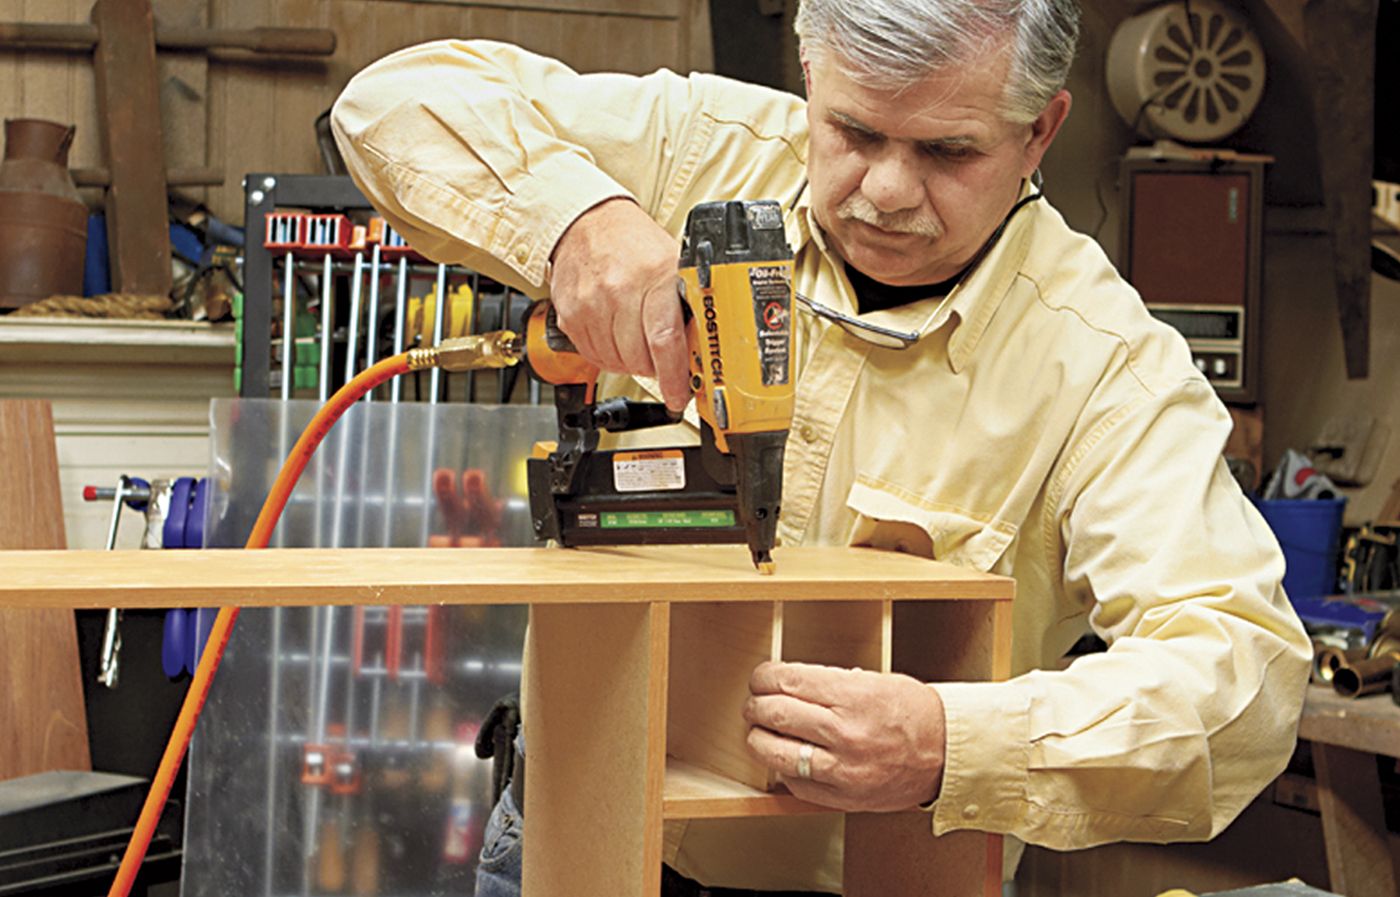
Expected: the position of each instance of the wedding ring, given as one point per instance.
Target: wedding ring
(804, 760)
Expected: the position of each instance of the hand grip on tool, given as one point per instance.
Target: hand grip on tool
(735, 286)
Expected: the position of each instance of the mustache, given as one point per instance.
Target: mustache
(908, 221)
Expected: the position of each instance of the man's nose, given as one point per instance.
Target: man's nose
(892, 181)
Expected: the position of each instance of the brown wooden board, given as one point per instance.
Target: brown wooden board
(1353, 822)
(41, 703)
(714, 648)
(128, 101)
(1370, 724)
(306, 576)
(595, 749)
(896, 855)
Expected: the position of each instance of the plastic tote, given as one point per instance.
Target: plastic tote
(1308, 530)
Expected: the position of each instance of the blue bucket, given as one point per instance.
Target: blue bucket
(1308, 531)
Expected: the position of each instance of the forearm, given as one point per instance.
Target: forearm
(483, 154)
(1137, 743)
(1194, 707)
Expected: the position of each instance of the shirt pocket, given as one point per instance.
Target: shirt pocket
(891, 518)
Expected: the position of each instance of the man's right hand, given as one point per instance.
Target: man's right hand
(613, 285)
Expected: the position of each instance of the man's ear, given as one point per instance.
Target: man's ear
(807, 74)
(1043, 130)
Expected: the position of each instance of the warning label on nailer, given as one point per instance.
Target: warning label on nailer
(649, 471)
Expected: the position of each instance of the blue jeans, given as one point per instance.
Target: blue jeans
(498, 871)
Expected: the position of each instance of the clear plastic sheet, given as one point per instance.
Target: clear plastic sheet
(335, 753)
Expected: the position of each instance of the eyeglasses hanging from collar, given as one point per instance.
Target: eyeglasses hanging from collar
(888, 337)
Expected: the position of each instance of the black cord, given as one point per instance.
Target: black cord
(1156, 95)
(1104, 172)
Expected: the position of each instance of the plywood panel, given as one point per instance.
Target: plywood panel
(42, 701)
(594, 750)
(696, 793)
(896, 855)
(924, 650)
(893, 855)
(303, 576)
(714, 648)
(839, 633)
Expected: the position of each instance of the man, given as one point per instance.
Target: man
(976, 384)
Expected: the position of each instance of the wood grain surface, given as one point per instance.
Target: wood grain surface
(696, 793)
(290, 577)
(1370, 724)
(41, 704)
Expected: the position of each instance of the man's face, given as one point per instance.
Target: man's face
(908, 184)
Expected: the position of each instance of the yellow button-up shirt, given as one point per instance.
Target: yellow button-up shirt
(1045, 427)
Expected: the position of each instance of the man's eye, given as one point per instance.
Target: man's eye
(954, 152)
(858, 137)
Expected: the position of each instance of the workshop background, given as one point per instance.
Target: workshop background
(131, 397)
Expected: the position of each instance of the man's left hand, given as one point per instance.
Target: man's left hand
(877, 739)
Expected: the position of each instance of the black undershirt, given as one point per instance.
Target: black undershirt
(871, 295)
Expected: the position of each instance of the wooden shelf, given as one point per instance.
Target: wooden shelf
(89, 341)
(636, 653)
(695, 793)
(1370, 723)
(308, 576)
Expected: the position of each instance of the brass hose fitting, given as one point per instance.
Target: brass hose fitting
(480, 351)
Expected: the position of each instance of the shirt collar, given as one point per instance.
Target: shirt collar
(968, 308)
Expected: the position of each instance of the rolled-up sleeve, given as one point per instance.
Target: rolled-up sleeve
(1194, 707)
(481, 153)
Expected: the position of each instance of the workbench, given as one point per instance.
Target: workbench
(639, 663)
(1346, 734)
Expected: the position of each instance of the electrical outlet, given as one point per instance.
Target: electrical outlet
(1349, 447)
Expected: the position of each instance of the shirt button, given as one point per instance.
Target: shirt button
(970, 811)
(808, 433)
(522, 253)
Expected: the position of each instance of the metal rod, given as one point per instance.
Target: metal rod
(352, 420)
(327, 328)
(353, 340)
(274, 704)
(391, 468)
(400, 312)
(289, 315)
(1365, 676)
(474, 324)
(372, 325)
(319, 720)
(110, 665)
(375, 685)
(415, 689)
(314, 798)
(371, 350)
(439, 316)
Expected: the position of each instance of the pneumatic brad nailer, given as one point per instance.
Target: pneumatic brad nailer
(736, 288)
(736, 285)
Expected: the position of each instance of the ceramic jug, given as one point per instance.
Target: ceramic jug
(43, 222)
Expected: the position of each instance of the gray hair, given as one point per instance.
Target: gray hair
(896, 43)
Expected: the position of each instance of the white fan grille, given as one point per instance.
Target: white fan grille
(1193, 77)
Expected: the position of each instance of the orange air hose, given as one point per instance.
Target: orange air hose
(272, 507)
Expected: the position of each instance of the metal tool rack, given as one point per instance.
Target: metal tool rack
(344, 730)
(323, 227)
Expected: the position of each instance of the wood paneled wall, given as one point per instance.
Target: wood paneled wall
(239, 113)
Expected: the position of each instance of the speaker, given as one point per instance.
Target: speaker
(1192, 229)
